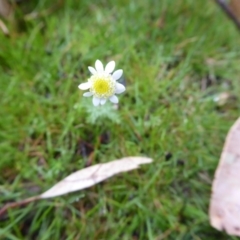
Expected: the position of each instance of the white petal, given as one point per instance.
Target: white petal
(114, 99)
(119, 88)
(84, 86)
(110, 67)
(117, 74)
(96, 101)
(99, 66)
(87, 94)
(92, 70)
(103, 101)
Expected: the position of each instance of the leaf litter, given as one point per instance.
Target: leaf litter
(84, 178)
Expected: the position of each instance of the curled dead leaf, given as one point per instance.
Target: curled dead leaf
(224, 208)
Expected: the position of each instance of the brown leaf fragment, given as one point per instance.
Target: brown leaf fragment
(4, 28)
(5, 8)
(235, 7)
(224, 98)
(224, 208)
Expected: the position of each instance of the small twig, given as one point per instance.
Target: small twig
(4, 209)
(229, 12)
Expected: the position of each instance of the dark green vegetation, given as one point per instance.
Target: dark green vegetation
(176, 56)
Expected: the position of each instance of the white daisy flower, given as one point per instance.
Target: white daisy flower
(103, 85)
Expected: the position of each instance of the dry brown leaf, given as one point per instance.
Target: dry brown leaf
(92, 175)
(84, 178)
(225, 200)
(235, 7)
(231, 10)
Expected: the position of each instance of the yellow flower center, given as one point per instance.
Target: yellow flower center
(103, 86)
